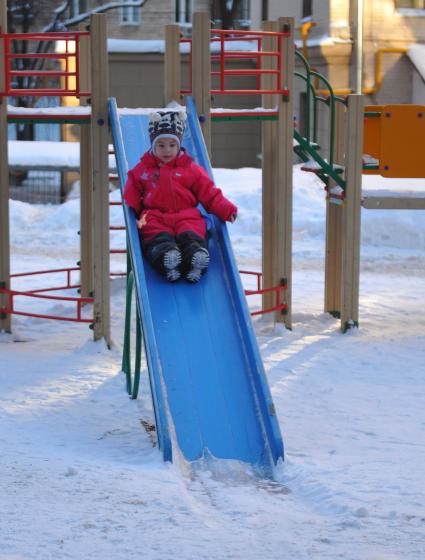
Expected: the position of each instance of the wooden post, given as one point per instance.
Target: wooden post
(86, 173)
(333, 255)
(352, 214)
(172, 65)
(269, 158)
(100, 213)
(5, 320)
(201, 72)
(285, 133)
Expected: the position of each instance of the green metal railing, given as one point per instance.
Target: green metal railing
(132, 376)
(309, 143)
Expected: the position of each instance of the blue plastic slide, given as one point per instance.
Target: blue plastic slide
(209, 389)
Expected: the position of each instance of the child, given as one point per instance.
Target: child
(164, 189)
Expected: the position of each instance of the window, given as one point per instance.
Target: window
(183, 11)
(403, 5)
(241, 16)
(78, 7)
(129, 15)
(307, 8)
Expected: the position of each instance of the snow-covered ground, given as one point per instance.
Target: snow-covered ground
(80, 477)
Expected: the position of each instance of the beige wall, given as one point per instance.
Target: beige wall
(385, 28)
(155, 15)
(383, 23)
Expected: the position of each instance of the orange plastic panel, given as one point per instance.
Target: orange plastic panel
(402, 141)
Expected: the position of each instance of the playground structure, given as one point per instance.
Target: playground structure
(272, 51)
(214, 412)
(83, 61)
(361, 140)
(88, 82)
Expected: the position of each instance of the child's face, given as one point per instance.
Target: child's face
(166, 149)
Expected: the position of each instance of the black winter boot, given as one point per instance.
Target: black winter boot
(195, 255)
(164, 255)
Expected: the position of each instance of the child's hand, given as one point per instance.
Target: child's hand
(232, 218)
(142, 221)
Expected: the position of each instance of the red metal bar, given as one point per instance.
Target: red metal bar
(283, 92)
(247, 72)
(6, 61)
(66, 81)
(45, 92)
(43, 36)
(245, 54)
(57, 56)
(251, 34)
(222, 67)
(47, 73)
(279, 84)
(53, 116)
(57, 288)
(277, 307)
(244, 113)
(51, 271)
(77, 65)
(259, 276)
(258, 58)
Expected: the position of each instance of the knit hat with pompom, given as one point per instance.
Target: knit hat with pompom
(167, 125)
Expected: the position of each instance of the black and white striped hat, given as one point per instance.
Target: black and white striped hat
(170, 124)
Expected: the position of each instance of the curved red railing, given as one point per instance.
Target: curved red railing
(39, 293)
(279, 291)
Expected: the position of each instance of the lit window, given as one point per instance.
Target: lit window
(129, 15)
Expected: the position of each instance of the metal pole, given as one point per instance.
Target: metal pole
(5, 321)
(359, 46)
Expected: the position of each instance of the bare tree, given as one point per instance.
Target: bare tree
(22, 18)
(60, 21)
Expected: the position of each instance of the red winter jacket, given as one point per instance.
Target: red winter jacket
(167, 195)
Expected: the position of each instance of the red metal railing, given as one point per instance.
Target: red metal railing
(224, 38)
(69, 58)
(37, 293)
(279, 291)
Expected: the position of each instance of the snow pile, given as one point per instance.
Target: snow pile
(82, 478)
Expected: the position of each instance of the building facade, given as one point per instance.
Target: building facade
(390, 28)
